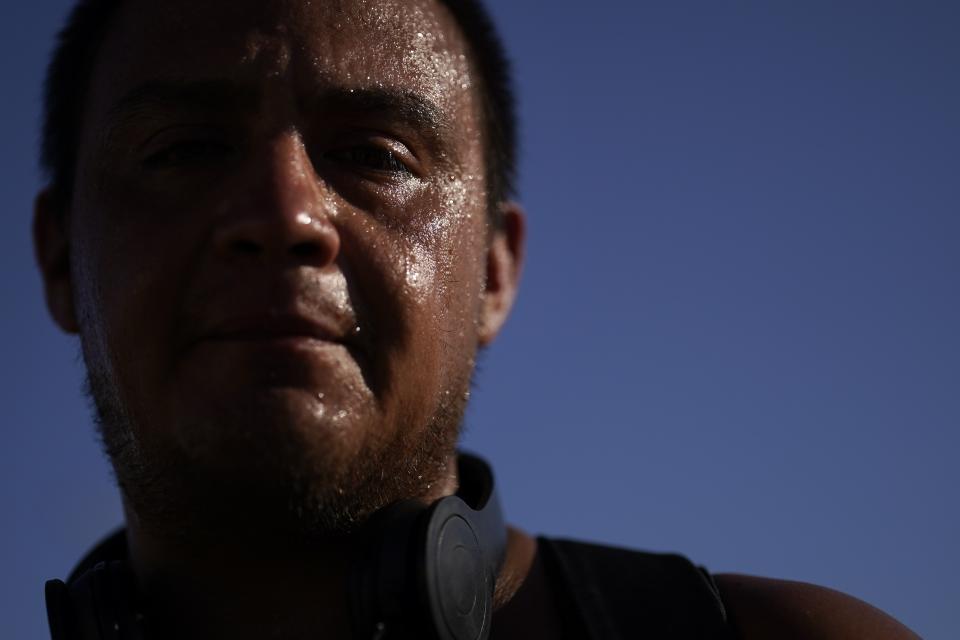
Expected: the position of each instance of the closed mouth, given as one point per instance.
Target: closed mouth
(274, 327)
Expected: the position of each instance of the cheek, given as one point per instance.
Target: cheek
(442, 272)
(443, 280)
(461, 269)
(128, 271)
(417, 288)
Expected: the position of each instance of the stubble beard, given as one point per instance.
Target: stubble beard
(178, 496)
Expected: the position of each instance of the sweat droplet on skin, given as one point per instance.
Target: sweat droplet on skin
(319, 409)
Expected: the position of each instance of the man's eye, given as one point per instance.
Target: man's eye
(370, 157)
(188, 152)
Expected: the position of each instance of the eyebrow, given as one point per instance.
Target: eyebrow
(408, 107)
(225, 96)
(203, 95)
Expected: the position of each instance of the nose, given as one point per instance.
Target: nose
(281, 212)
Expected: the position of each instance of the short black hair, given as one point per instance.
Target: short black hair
(78, 43)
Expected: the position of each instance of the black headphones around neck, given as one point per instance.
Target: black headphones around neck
(425, 573)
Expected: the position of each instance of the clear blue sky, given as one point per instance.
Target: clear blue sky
(737, 336)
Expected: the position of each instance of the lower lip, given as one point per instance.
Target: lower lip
(276, 346)
(267, 362)
(276, 349)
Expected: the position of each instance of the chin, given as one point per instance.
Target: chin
(282, 472)
(283, 427)
(277, 460)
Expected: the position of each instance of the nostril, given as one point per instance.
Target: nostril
(247, 247)
(304, 250)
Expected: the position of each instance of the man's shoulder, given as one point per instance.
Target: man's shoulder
(766, 607)
(668, 594)
(625, 593)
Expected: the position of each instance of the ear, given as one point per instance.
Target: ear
(504, 263)
(51, 246)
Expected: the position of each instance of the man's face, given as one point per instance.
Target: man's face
(278, 251)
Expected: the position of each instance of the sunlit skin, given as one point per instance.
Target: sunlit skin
(277, 255)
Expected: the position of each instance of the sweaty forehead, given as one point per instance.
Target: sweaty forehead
(409, 45)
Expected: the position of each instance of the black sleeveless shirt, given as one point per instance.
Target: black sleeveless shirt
(602, 593)
(606, 593)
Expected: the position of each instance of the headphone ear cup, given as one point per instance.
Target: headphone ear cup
(78, 606)
(97, 605)
(456, 575)
(59, 614)
(429, 573)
